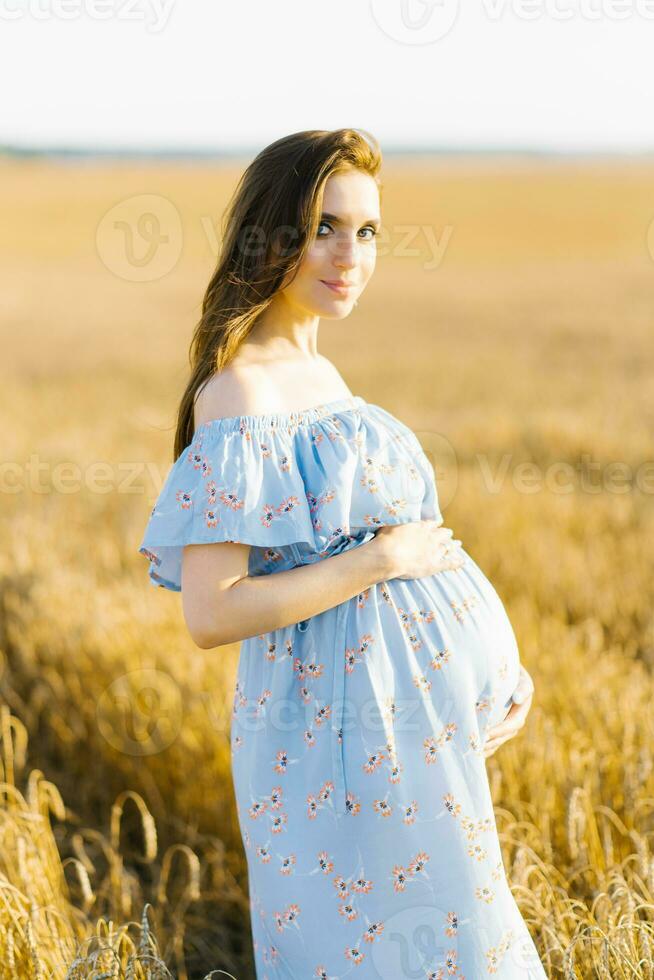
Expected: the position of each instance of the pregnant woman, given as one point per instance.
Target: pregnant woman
(376, 657)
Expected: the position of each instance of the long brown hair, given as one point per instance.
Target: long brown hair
(279, 194)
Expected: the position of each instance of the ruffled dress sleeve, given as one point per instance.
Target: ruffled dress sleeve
(297, 487)
(229, 484)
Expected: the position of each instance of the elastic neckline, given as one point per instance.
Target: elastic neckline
(280, 420)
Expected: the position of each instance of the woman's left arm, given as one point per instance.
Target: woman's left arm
(515, 718)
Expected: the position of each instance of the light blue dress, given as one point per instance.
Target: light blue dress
(356, 735)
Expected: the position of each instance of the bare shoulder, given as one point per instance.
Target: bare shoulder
(330, 369)
(255, 387)
(235, 391)
(334, 378)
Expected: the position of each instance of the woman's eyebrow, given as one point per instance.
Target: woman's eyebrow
(337, 220)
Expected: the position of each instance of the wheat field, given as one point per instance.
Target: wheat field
(510, 318)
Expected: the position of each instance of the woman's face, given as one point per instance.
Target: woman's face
(344, 249)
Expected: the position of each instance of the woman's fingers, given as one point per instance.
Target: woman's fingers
(524, 687)
(514, 720)
(494, 743)
(515, 717)
(497, 734)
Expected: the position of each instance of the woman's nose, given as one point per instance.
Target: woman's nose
(346, 255)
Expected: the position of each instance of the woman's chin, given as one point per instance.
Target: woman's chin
(336, 310)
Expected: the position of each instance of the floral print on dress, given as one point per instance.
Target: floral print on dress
(357, 734)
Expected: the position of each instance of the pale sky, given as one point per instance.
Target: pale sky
(542, 74)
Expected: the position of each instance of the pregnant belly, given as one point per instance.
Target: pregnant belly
(451, 634)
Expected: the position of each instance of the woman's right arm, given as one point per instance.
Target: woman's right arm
(223, 604)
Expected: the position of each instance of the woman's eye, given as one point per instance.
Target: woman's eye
(324, 224)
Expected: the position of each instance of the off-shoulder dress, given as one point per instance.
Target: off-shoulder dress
(356, 735)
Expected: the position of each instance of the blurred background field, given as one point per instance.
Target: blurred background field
(530, 340)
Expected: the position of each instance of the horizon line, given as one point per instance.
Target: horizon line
(69, 151)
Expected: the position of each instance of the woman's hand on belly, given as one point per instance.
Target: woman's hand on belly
(417, 549)
(516, 716)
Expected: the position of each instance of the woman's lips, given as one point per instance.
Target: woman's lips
(341, 290)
